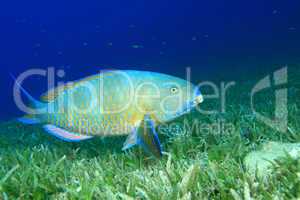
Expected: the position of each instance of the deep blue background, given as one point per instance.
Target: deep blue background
(215, 38)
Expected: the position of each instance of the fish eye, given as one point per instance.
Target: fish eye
(174, 90)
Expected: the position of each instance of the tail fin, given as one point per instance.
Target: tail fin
(33, 101)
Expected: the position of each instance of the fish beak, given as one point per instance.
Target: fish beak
(199, 99)
(198, 96)
(191, 104)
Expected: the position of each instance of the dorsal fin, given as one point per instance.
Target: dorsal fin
(52, 94)
(55, 92)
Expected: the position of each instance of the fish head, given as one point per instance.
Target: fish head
(172, 97)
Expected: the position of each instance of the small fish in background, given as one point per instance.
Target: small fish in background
(112, 103)
(137, 46)
(131, 26)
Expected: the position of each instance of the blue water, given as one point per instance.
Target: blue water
(212, 37)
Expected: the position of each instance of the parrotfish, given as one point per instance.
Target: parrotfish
(116, 102)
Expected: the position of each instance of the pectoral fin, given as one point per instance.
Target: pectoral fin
(131, 140)
(146, 137)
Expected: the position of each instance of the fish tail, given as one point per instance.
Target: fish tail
(31, 118)
(35, 103)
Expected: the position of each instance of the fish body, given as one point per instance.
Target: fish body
(115, 103)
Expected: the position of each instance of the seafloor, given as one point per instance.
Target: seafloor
(206, 164)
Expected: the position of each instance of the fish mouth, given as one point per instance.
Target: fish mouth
(197, 99)
(190, 105)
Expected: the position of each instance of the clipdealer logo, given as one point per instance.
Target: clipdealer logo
(278, 82)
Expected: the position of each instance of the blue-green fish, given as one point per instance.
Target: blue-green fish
(114, 103)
